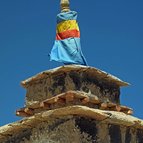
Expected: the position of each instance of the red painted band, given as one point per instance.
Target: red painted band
(67, 34)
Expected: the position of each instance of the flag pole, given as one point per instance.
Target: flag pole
(65, 5)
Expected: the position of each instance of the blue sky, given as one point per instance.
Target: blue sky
(111, 38)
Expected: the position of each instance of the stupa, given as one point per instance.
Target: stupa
(73, 104)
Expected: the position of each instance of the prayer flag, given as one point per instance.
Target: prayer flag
(67, 48)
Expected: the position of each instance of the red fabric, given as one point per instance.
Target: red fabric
(67, 34)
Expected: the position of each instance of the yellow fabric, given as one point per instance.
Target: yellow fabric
(67, 25)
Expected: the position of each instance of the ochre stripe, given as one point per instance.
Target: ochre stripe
(67, 34)
(67, 25)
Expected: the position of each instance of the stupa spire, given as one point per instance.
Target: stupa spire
(65, 5)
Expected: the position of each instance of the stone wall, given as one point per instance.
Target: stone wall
(75, 129)
(78, 81)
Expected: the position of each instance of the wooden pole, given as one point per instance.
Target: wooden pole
(65, 5)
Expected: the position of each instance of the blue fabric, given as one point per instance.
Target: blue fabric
(68, 51)
(63, 16)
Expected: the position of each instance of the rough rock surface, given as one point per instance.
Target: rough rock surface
(74, 124)
(77, 78)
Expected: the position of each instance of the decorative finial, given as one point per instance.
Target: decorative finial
(65, 5)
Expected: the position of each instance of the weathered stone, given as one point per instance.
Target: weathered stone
(128, 136)
(70, 129)
(75, 124)
(140, 136)
(77, 78)
(115, 133)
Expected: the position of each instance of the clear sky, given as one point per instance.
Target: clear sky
(111, 38)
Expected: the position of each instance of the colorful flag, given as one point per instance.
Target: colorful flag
(67, 48)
